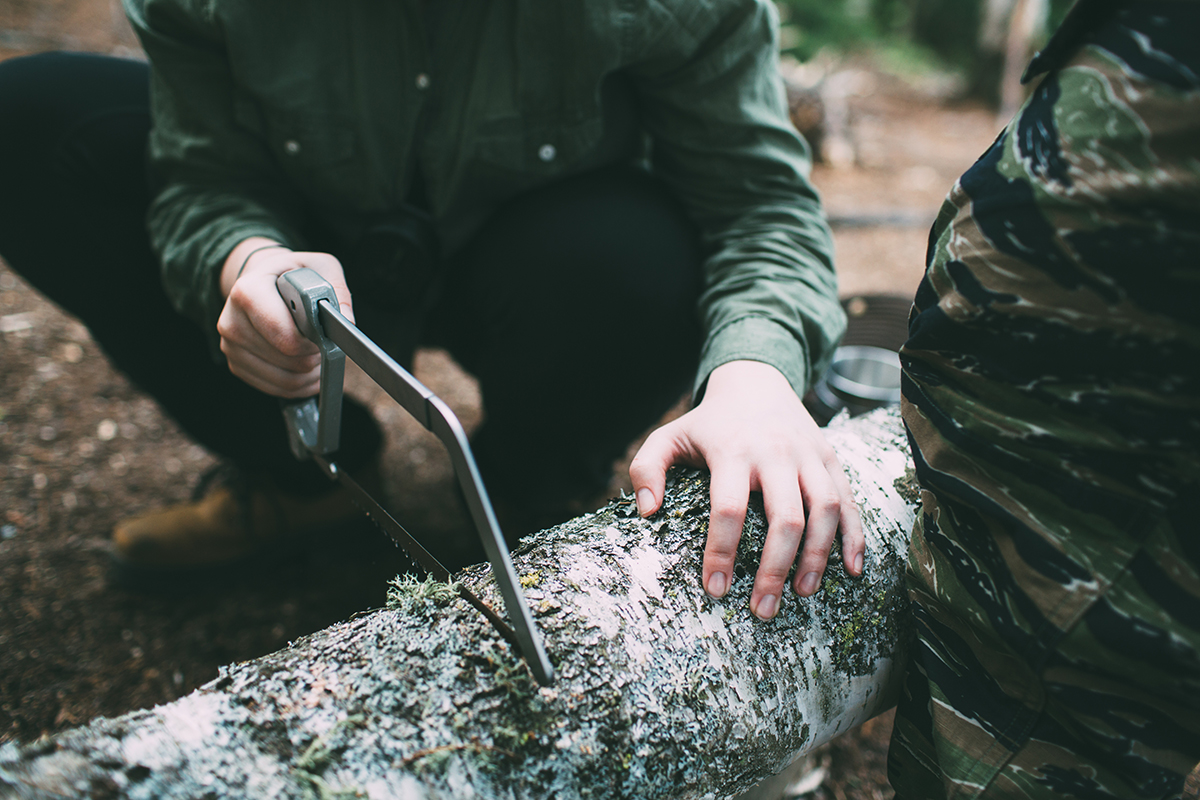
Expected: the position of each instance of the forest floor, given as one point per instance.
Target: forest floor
(81, 448)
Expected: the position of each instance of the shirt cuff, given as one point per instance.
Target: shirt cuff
(754, 339)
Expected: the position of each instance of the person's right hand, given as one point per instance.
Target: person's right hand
(258, 336)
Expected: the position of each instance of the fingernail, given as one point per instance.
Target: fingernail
(645, 501)
(808, 584)
(858, 564)
(767, 606)
(717, 585)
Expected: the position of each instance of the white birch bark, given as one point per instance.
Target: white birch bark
(662, 692)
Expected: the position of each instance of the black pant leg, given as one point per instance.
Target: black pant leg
(575, 307)
(73, 131)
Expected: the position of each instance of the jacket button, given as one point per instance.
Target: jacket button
(291, 147)
(423, 81)
(547, 152)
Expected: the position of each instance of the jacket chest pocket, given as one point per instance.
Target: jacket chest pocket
(517, 145)
(315, 151)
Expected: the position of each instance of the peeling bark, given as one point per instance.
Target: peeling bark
(662, 692)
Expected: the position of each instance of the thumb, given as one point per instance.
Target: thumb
(648, 470)
(331, 270)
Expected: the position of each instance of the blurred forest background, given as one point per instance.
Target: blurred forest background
(969, 38)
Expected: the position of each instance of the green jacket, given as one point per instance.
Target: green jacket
(267, 111)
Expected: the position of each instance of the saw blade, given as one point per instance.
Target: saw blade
(411, 547)
(313, 430)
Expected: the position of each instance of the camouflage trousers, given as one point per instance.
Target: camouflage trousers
(1052, 396)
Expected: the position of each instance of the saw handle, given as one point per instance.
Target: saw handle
(314, 424)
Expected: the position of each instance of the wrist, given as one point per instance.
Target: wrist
(743, 374)
(240, 257)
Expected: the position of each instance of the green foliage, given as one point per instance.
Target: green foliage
(810, 26)
(949, 27)
(939, 34)
(1058, 10)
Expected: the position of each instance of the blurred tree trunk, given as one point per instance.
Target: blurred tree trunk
(1026, 27)
(990, 40)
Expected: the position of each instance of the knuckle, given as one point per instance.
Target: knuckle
(295, 381)
(770, 576)
(789, 519)
(829, 458)
(292, 347)
(814, 556)
(237, 294)
(720, 550)
(657, 443)
(641, 463)
(824, 502)
(227, 326)
(300, 352)
(727, 511)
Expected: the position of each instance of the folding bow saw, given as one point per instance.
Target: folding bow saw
(314, 429)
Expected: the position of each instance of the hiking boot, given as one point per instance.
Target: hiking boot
(231, 519)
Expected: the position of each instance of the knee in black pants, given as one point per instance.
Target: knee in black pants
(72, 222)
(575, 308)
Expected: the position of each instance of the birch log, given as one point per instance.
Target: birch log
(662, 692)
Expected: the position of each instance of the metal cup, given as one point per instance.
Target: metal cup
(859, 379)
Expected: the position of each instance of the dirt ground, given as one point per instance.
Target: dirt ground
(81, 448)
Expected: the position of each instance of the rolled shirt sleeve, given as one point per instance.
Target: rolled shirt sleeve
(214, 183)
(714, 104)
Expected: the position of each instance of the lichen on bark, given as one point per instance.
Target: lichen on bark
(661, 692)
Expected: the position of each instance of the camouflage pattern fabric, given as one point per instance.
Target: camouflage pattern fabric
(1052, 395)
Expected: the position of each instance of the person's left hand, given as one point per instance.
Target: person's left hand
(754, 434)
